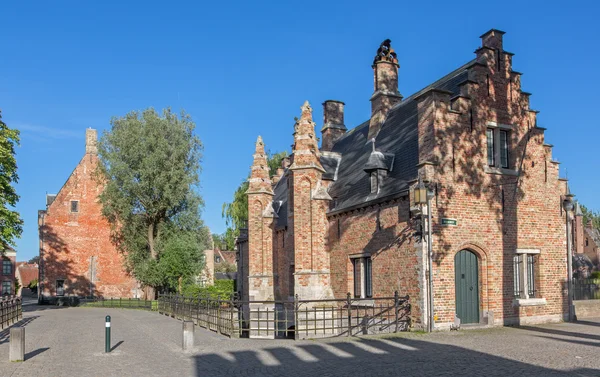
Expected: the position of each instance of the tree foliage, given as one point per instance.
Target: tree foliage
(150, 163)
(35, 259)
(11, 224)
(236, 212)
(590, 216)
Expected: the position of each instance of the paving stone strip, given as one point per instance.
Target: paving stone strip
(64, 341)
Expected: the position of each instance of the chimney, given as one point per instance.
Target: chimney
(492, 39)
(275, 179)
(386, 95)
(333, 123)
(91, 141)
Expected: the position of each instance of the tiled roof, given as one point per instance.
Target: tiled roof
(397, 140)
(27, 273)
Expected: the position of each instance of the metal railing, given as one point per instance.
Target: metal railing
(586, 289)
(295, 319)
(11, 310)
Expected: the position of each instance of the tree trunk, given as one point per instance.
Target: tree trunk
(151, 241)
(179, 281)
(150, 293)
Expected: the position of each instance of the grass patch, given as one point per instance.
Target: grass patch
(122, 304)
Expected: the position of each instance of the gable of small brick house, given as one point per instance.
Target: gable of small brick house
(76, 248)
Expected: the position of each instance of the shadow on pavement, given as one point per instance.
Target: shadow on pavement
(4, 334)
(32, 354)
(370, 357)
(116, 345)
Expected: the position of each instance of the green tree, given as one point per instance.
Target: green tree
(236, 212)
(11, 224)
(590, 216)
(35, 259)
(150, 165)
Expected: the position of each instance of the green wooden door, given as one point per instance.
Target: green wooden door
(467, 286)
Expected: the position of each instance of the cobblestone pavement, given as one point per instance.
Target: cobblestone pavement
(70, 342)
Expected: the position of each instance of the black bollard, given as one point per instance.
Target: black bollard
(107, 335)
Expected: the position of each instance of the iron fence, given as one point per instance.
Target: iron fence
(586, 289)
(11, 310)
(297, 319)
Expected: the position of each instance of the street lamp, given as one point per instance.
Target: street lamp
(568, 207)
(423, 195)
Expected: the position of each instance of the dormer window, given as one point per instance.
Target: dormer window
(377, 167)
(374, 182)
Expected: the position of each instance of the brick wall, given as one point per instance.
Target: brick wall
(76, 246)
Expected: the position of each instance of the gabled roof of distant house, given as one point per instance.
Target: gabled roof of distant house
(594, 234)
(397, 141)
(226, 255)
(27, 273)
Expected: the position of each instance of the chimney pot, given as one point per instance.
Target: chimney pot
(91, 141)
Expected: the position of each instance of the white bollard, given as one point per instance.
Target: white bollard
(188, 335)
(17, 344)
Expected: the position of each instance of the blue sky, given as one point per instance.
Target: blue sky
(244, 68)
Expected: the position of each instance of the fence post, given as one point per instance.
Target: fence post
(219, 313)
(396, 309)
(348, 304)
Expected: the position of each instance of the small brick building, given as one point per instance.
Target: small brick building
(7, 272)
(587, 240)
(77, 257)
(343, 218)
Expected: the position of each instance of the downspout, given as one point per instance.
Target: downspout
(430, 262)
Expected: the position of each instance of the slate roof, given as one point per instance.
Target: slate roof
(397, 140)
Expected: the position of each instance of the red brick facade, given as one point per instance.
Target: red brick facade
(75, 243)
(509, 214)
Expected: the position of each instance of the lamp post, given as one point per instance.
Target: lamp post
(568, 206)
(423, 196)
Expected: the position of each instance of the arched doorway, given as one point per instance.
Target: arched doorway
(466, 280)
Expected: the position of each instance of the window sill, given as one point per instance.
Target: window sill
(518, 302)
(364, 302)
(501, 171)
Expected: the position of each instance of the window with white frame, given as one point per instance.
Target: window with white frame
(497, 148)
(6, 288)
(6, 267)
(524, 269)
(362, 271)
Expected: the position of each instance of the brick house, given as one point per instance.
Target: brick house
(587, 239)
(7, 278)
(77, 257)
(343, 218)
(25, 274)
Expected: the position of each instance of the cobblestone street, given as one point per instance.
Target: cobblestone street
(70, 342)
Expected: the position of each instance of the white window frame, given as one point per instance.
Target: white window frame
(498, 149)
(366, 270)
(4, 283)
(522, 277)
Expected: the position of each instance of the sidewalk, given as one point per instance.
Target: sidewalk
(63, 341)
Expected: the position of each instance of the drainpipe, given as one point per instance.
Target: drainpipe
(430, 258)
(568, 206)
